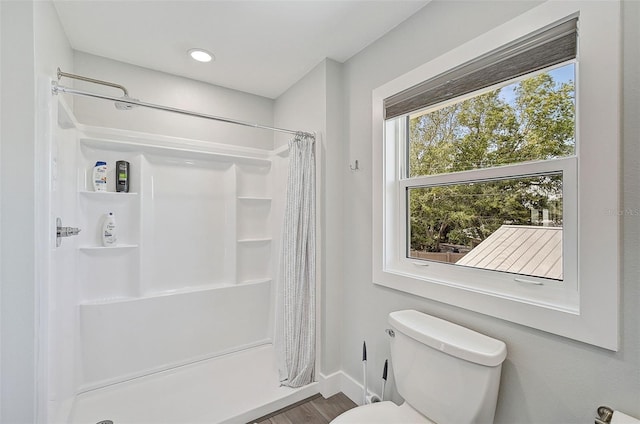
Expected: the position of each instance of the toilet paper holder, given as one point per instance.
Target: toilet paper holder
(604, 415)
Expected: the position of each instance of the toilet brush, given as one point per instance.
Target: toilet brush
(364, 372)
(384, 378)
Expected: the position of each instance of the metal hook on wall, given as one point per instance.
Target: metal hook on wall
(356, 167)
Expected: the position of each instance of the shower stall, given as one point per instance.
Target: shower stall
(176, 322)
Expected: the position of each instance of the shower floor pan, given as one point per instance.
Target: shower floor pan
(234, 388)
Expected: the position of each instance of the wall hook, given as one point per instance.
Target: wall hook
(356, 167)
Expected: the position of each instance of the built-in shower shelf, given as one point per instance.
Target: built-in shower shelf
(107, 300)
(254, 198)
(106, 194)
(254, 240)
(103, 248)
(255, 281)
(282, 151)
(188, 289)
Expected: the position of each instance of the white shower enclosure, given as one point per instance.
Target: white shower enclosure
(175, 323)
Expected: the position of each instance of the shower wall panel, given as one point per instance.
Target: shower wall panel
(64, 285)
(191, 275)
(188, 211)
(254, 218)
(127, 339)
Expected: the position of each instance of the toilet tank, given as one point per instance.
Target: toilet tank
(448, 373)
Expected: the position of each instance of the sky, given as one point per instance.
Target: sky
(562, 74)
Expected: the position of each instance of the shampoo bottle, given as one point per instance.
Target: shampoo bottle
(109, 237)
(100, 176)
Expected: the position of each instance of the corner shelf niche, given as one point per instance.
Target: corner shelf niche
(254, 230)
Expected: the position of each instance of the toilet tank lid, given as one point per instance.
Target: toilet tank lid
(450, 338)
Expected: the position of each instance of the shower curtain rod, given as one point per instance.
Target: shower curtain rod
(128, 101)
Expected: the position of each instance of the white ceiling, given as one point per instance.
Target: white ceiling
(261, 47)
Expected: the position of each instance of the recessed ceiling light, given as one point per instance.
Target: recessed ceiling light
(201, 55)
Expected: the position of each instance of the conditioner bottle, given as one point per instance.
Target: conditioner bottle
(109, 237)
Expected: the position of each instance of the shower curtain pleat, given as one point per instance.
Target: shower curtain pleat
(295, 327)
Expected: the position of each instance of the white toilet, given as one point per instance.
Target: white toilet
(447, 374)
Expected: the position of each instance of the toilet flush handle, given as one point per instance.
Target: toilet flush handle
(390, 332)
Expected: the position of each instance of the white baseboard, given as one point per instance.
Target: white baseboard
(298, 395)
(340, 381)
(330, 384)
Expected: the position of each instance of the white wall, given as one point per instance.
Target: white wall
(334, 163)
(18, 304)
(546, 378)
(315, 104)
(303, 105)
(174, 91)
(33, 45)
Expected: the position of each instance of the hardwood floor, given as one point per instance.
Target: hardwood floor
(315, 410)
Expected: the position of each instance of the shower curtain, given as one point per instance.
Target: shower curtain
(295, 327)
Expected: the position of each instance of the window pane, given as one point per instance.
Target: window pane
(511, 225)
(533, 119)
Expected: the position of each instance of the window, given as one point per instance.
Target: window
(512, 224)
(492, 225)
(494, 171)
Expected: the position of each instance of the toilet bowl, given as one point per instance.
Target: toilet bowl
(446, 373)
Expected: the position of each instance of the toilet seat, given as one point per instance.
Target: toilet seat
(382, 413)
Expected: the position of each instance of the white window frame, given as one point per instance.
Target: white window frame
(585, 305)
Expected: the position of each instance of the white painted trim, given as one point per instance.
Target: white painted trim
(319, 259)
(1, 201)
(330, 384)
(595, 318)
(352, 388)
(340, 381)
